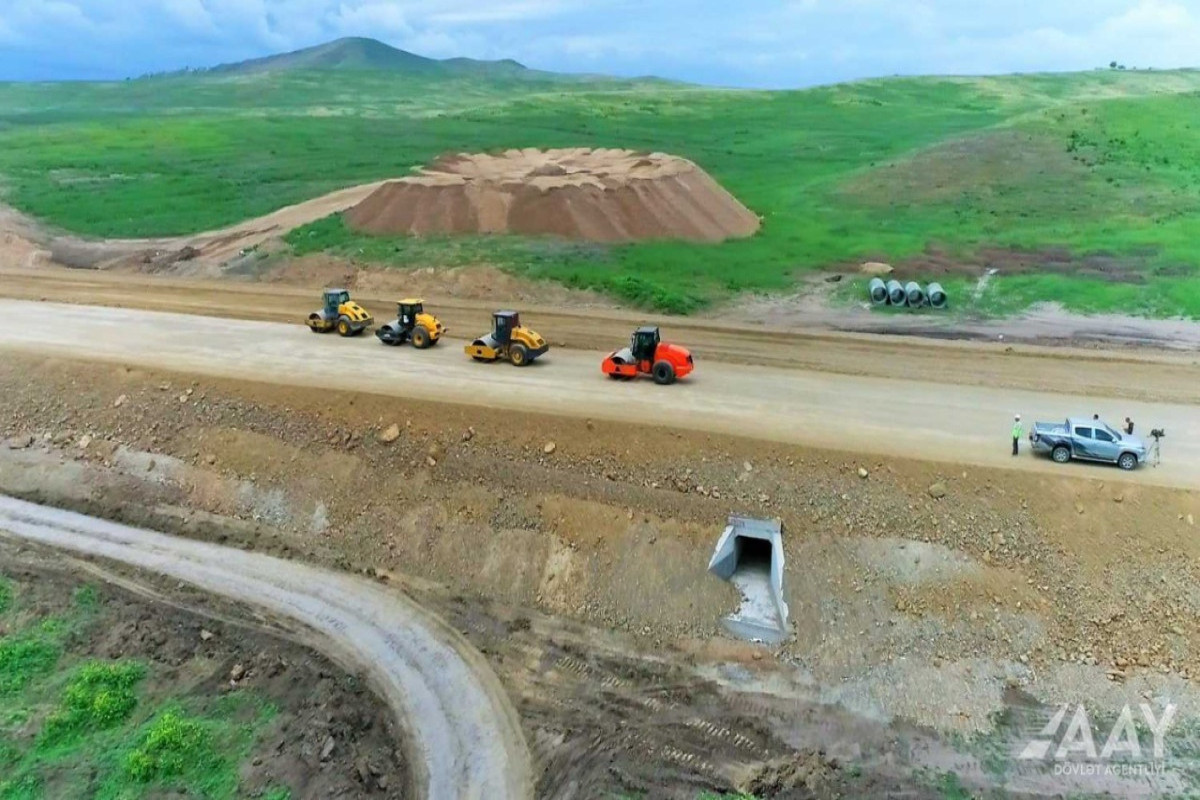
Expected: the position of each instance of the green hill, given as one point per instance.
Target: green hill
(1080, 188)
(365, 55)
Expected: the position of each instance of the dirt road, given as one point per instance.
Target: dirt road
(213, 248)
(465, 739)
(916, 417)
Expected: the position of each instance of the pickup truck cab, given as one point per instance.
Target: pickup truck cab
(1087, 440)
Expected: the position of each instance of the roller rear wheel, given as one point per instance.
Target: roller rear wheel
(664, 373)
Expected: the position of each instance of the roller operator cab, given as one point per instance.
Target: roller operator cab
(509, 340)
(339, 313)
(647, 354)
(412, 324)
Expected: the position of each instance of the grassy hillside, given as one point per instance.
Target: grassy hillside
(360, 55)
(1082, 187)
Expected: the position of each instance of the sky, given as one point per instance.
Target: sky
(757, 43)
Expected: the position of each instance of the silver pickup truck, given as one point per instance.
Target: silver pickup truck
(1087, 440)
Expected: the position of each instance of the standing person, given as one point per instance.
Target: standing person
(1016, 432)
(1129, 426)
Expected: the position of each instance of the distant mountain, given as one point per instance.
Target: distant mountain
(360, 54)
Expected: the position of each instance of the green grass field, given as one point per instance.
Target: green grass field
(1099, 165)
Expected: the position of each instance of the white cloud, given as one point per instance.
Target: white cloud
(765, 42)
(382, 19)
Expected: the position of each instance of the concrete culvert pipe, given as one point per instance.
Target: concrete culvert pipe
(916, 295)
(896, 294)
(878, 290)
(937, 295)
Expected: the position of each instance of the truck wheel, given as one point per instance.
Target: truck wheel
(664, 373)
(1061, 455)
(1127, 461)
(518, 355)
(420, 337)
(343, 327)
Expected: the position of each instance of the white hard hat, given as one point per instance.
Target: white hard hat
(1018, 416)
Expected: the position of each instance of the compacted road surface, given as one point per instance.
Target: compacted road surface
(918, 417)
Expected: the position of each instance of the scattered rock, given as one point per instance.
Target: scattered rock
(237, 673)
(431, 461)
(20, 442)
(120, 401)
(210, 459)
(937, 491)
(84, 441)
(1191, 520)
(390, 435)
(206, 635)
(327, 748)
(1118, 498)
(862, 473)
(183, 398)
(468, 434)
(549, 448)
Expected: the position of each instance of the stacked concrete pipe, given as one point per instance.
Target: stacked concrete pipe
(937, 295)
(916, 296)
(896, 293)
(878, 290)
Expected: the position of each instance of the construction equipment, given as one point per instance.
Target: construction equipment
(341, 313)
(508, 340)
(412, 324)
(647, 354)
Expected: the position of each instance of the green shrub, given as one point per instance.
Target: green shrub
(171, 746)
(6, 596)
(100, 696)
(87, 598)
(22, 659)
(9, 755)
(27, 787)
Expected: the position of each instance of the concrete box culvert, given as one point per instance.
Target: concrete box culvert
(749, 555)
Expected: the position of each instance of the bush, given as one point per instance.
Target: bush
(171, 745)
(99, 697)
(23, 659)
(6, 596)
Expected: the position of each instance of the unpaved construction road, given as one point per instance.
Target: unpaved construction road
(464, 734)
(918, 417)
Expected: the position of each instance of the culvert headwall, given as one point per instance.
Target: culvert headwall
(749, 555)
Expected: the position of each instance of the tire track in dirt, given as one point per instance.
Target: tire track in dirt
(464, 738)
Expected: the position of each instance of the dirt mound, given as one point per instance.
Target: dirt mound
(594, 195)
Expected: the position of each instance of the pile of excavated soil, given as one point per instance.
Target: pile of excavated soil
(593, 195)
